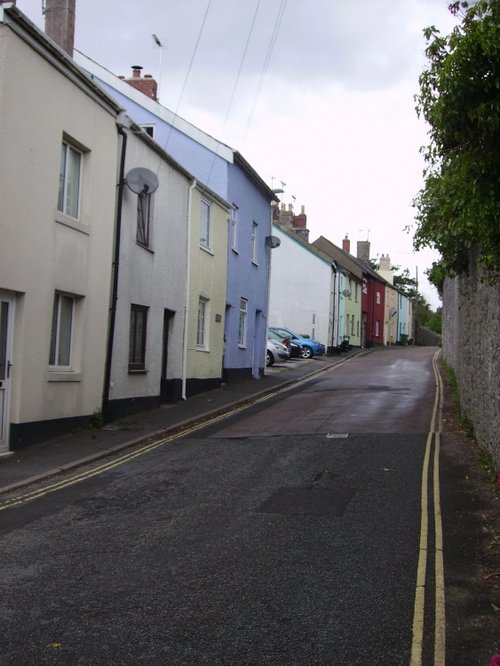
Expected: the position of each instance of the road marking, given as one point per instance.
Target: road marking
(146, 448)
(420, 596)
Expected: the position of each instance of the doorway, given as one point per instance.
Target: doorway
(6, 323)
(167, 389)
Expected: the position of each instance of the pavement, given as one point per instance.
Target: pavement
(81, 447)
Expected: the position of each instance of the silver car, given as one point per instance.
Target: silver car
(276, 352)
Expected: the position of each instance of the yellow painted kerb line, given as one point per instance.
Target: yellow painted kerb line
(419, 606)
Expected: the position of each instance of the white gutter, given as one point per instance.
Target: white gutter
(188, 287)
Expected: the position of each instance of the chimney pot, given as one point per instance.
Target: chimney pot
(136, 71)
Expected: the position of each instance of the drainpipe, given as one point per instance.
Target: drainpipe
(114, 294)
(335, 309)
(188, 288)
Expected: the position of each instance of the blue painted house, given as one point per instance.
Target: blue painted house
(226, 172)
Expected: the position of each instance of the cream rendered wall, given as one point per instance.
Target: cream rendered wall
(352, 305)
(208, 280)
(153, 277)
(39, 254)
(390, 323)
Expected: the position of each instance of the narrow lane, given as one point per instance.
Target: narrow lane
(384, 391)
(267, 538)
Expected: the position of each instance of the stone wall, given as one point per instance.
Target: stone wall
(471, 335)
(427, 338)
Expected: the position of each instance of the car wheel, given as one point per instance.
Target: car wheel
(306, 352)
(269, 359)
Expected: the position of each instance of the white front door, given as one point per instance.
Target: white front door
(6, 322)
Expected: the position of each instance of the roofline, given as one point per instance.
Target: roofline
(98, 71)
(306, 245)
(141, 134)
(361, 264)
(21, 25)
(254, 176)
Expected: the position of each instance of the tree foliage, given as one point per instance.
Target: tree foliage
(436, 275)
(458, 209)
(404, 282)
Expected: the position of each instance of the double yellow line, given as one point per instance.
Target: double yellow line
(434, 435)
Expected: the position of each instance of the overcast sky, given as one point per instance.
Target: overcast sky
(316, 94)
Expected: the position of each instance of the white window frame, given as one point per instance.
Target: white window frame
(144, 218)
(61, 336)
(377, 328)
(201, 327)
(149, 129)
(68, 189)
(205, 225)
(243, 323)
(255, 227)
(378, 297)
(234, 228)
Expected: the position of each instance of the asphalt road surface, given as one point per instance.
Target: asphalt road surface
(303, 530)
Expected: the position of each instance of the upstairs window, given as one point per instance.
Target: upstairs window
(70, 168)
(242, 330)
(378, 297)
(149, 129)
(144, 215)
(234, 229)
(254, 242)
(205, 231)
(62, 330)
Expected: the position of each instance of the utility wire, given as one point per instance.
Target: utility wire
(270, 48)
(188, 72)
(235, 86)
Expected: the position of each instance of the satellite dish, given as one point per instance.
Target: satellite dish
(142, 181)
(272, 242)
(346, 293)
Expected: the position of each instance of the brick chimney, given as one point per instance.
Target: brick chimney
(346, 244)
(144, 84)
(299, 223)
(60, 23)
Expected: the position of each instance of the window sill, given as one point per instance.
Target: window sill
(64, 376)
(235, 250)
(254, 263)
(131, 371)
(202, 349)
(67, 221)
(145, 247)
(242, 346)
(206, 249)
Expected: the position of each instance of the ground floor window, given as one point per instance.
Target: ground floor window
(62, 330)
(137, 337)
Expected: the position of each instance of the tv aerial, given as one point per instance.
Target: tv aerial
(142, 181)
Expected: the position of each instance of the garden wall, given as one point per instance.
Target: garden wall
(471, 334)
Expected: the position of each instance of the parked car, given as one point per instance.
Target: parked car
(309, 347)
(294, 347)
(276, 352)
